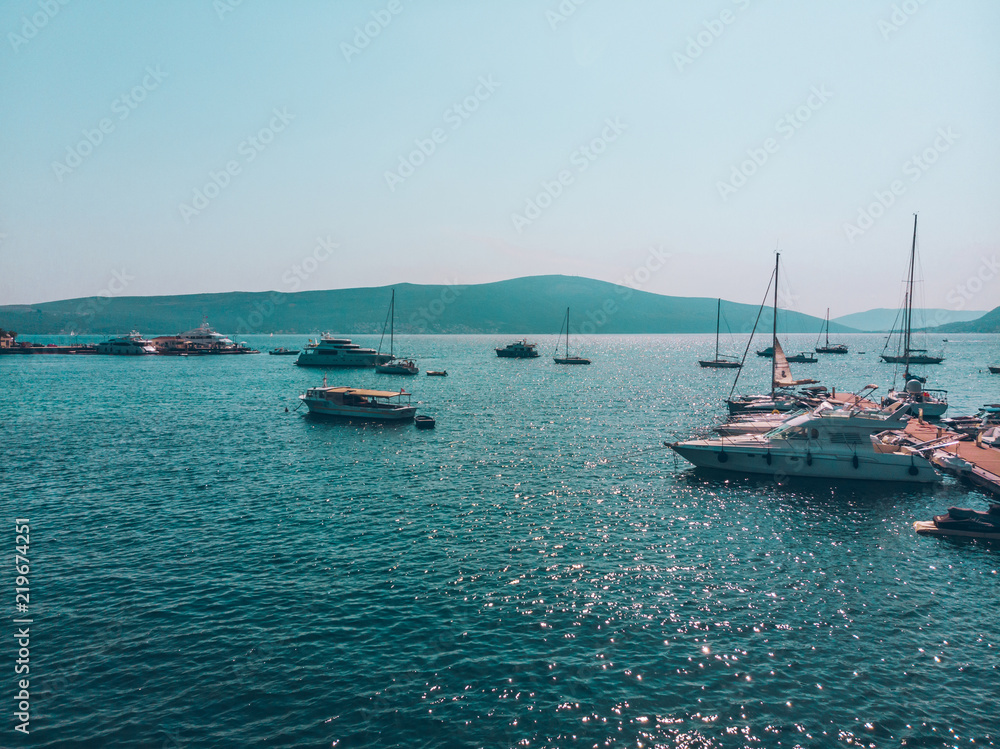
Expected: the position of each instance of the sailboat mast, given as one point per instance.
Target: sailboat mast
(909, 294)
(718, 317)
(774, 325)
(567, 332)
(828, 327)
(392, 319)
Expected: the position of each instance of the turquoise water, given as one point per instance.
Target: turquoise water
(209, 570)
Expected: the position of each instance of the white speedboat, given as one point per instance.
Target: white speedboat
(827, 442)
(132, 344)
(358, 403)
(339, 352)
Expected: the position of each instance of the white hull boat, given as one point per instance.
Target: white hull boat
(358, 403)
(827, 443)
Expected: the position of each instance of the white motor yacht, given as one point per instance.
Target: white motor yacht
(339, 352)
(827, 442)
(205, 337)
(132, 344)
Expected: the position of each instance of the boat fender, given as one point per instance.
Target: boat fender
(722, 457)
(912, 470)
(809, 458)
(768, 457)
(855, 462)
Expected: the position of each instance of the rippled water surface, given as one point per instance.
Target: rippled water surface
(209, 570)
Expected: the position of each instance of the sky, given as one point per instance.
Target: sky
(217, 145)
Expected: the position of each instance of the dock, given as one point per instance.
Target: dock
(983, 462)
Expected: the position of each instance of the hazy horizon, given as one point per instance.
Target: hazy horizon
(218, 146)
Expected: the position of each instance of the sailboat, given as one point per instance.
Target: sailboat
(781, 373)
(567, 359)
(827, 348)
(906, 354)
(394, 365)
(720, 362)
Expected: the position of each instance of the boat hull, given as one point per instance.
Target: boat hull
(720, 364)
(571, 360)
(505, 354)
(396, 369)
(320, 407)
(911, 359)
(813, 463)
(995, 370)
(930, 528)
(831, 350)
(341, 360)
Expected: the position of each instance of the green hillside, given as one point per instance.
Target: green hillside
(534, 304)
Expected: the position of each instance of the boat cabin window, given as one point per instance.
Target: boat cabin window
(789, 432)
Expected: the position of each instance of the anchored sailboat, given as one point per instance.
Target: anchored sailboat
(567, 359)
(720, 362)
(827, 348)
(394, 365)
(905, 353)
(781, 373)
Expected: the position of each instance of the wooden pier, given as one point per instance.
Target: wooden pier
(984, 461)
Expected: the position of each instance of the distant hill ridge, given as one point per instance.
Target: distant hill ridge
(882, 320)
(533, 304)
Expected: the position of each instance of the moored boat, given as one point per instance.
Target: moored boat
(436, 373)
(827, 442)
(394, 365)
(359, 403)
(995, 370)
(132, 344)
(518, 350)
(424, 422)
(959, 521)
(932, 403)
(339, 352)
(827, 347)
(282, 351)
(566, 358)
(720, 361)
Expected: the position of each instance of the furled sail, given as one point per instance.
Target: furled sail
(782, 372)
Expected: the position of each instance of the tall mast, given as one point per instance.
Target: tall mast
(567, 332)
(828, 326)
(909, 295)
(774, 325)
(718, 315)
(392, 319)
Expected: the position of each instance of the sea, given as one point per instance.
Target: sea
(212, 567)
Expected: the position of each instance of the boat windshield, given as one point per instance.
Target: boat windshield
(789, 432)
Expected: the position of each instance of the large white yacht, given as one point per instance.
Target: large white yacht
(132, 344)
(827, 442)
(203, 335)
(339, 352)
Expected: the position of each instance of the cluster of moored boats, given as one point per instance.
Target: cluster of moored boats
(811, 432)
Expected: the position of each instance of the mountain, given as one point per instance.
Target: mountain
(988, 323)
(881, 320)
(518, 306)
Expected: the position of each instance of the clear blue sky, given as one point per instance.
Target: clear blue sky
(315, 116)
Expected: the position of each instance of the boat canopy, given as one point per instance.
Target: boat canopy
(365, 393)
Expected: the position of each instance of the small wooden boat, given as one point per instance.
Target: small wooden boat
(434, 373)
(282, 351)
(423, 422)
(995, 370)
